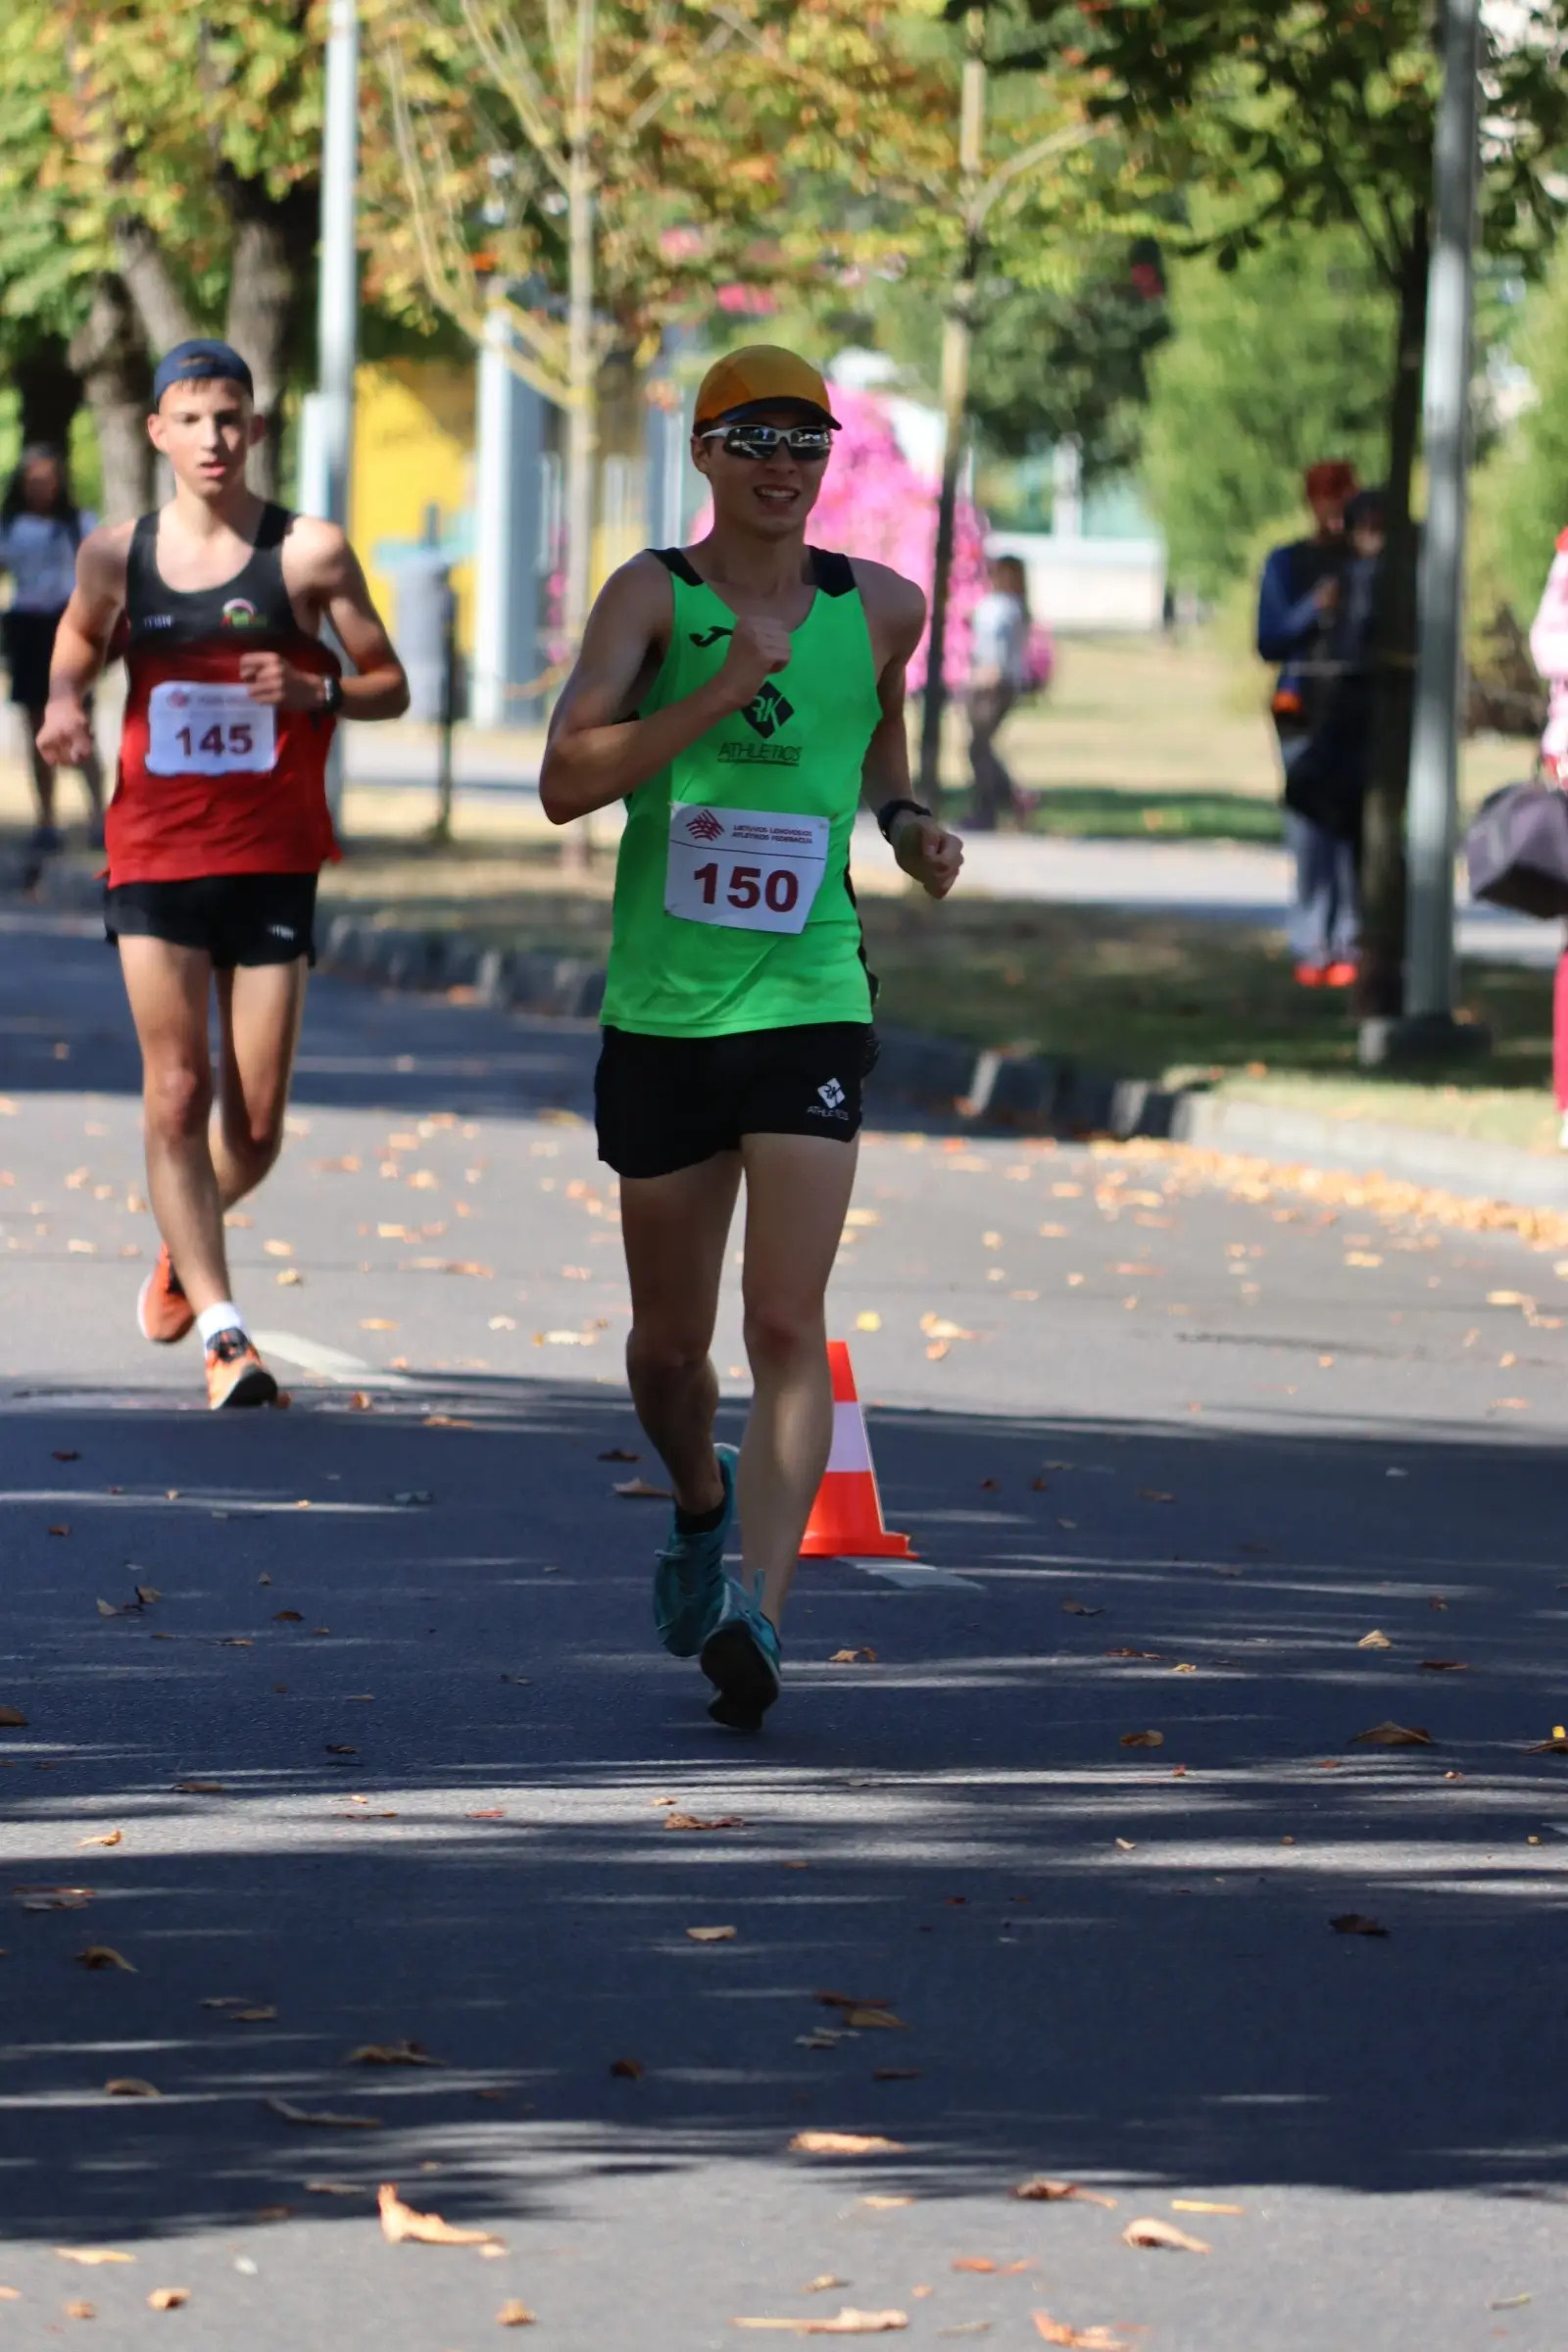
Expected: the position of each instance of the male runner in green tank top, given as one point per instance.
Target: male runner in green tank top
(737, 695)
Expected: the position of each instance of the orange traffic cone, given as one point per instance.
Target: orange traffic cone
(845, 1520)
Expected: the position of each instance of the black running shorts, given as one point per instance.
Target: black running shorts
(669, 1103)
(237, 919)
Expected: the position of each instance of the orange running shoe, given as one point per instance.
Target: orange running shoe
(163, 1314)
(1341, 975)
(235, 1373)
(1309, 976)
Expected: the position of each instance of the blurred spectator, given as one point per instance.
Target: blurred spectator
(1548, 645)
(41, 531)
(1298, 605)
(1000, 671)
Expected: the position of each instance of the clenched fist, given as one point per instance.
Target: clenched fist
(756, 649)
(272, 679)
(928, 853)
(65, 739)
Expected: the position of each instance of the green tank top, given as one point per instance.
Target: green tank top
(733, 907)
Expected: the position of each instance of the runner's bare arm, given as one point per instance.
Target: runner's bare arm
(597, 753)
(319, 564)
(895, 610)
(82, 644)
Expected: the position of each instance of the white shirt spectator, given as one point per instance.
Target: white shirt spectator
(1000, 640)
(39, 551)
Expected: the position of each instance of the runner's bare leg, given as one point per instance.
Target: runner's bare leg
(260, 1009)
(797, 1191)
(675, 1229)
(169, 989)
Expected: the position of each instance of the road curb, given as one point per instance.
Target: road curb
(984, 1089)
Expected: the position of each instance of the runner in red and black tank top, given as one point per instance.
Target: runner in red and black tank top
(211, 782)
(218, 825)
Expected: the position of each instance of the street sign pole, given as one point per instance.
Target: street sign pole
(1429, 1024)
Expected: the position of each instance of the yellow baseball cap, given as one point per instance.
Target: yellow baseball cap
(759, 376)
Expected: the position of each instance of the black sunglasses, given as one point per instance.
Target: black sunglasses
(806, 442)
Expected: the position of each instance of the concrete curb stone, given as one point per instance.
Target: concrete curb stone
(982, 1088)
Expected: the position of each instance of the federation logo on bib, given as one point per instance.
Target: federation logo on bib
(769, 711)
(240, 614)
(704, 825)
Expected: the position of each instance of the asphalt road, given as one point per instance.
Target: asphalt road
(389, 1757)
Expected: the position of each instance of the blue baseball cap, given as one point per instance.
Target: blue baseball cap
(200, 359)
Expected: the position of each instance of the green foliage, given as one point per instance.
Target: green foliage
(1273, 365)
(1522, 492)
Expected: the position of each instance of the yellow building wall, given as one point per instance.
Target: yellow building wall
(414, 431)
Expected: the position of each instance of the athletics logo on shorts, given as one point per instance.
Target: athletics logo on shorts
(769, 711)
(830, 1104)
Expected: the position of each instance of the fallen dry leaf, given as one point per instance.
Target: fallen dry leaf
(983, 2263)
(1040, 2190)
(843, 2323)
(147, 1594)
(168, 2298)
(400, 2221)
(628, 2069)
(253, 2017)
(1162, 2235)
(1444, 1666)
(845, 2143)
(1143, 1740)
(1352, 1923)
(872, 2015)
(1392, 1735)
(107, 1838)
(1085, 2339)
(693, 1821)
(104, 1955)
(1153, 1495)
(852, 1657)
(391, 2053)
(12, 1719)
(93, 2257)
(106, 1608)
(711, 1934)
(323, 2117)
(53, 1898)
(131, 2087)
(638, 1490)
(82, 2311)
(619, 1454)
(515, 2315)
(1201, 2205)
(201, 1788)
(1081, 1608)
(1556, 1745)
(1374, 1641)
(896, 2073)
(885, 2204)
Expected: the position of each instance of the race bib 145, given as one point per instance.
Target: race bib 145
(205, 730)
(745, 869)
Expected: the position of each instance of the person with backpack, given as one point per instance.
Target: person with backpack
(1298, 605)
(41, 527)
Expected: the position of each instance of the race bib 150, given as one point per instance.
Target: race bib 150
(743, 869)
(201, 730)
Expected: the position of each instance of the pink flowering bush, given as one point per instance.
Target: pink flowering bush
(874, 504)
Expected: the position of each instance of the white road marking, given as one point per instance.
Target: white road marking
(920, 1580)
(332, 1363)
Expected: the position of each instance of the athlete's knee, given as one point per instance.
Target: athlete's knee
(669, 1352)
(176, 1098)
(782, 1335)
(253, 1138)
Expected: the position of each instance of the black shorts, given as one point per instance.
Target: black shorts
(669, 1103)
(29, 645)
(237, 918)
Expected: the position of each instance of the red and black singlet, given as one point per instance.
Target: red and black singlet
(211, 782)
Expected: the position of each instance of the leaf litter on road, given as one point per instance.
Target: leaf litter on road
(390, 2053)
(1393, 1735)
(844, 2323)
(638, 1490)
(322, 2119)
(93, 2257)
(1162, 2236)
(711, 1934)
(1041, 2190)
(694, 1821)
(515, 2315)
(400, 2223)
(1083, 2339)
(1556, 1745)
(131, 2087)
(104, 1955)
(845, 2143)
(1356, 1923)
(168, 2298)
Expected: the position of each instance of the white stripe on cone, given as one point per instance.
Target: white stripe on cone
(852, 1450)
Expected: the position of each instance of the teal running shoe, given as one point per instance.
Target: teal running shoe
(741, 1659)
(689, 1575)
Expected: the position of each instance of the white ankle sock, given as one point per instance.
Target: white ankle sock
(225, 1316)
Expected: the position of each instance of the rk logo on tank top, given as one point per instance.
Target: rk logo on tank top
(743, 869)
(198, 729)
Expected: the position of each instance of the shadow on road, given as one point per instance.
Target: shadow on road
(428, 1750)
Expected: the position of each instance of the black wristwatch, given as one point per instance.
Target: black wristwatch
(331, 701)
(892, 808)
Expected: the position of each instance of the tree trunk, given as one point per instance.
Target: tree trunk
(110, 355)
(1380, 990)
(165, 317)
(582, 414)
(49, 391)
(268, 284)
